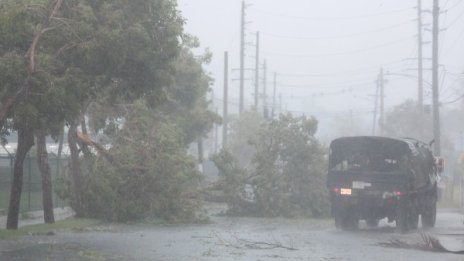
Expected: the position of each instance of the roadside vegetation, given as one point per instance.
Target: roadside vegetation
(285, 168)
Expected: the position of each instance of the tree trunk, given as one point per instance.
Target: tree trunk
(47, 194)
(76, 174)
(25, 142)
(200, 154)
(85, 149)
(60, 145)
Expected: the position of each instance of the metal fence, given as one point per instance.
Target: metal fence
(31, 197)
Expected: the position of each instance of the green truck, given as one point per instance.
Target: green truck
(371, 178)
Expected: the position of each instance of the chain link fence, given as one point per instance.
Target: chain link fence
(31, 197)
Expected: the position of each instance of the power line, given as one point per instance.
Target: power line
(458, 2)
(333, 18)
(360, 70)
(444, 89)
(335, 36)
(454, 44)
(327, 85)
(453, 101)
(450, 25)
(456, 19)
(341, 53)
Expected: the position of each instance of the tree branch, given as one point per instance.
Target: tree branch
(30, 54)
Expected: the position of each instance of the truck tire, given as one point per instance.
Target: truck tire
(338, 221)
(429, 212)
(414, 220)
(430, 215)
(352, 221)
(402, 216)
(346, 220)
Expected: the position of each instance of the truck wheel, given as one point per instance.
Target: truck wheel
(429, 216)
(339, 214)
(414, 220)
(338, 221)
(351, 220)
(402, 217)
(346, 220)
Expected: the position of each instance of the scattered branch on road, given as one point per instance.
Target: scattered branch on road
(432, 243)
(429, 243)
(239, 243)
(264, 245)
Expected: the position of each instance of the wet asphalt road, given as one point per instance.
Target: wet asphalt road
(236, 239)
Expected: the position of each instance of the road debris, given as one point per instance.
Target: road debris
(429, 243)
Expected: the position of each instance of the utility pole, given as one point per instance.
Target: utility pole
(224, 110)
(200, 154)
(436, 111)
(351, 123)
(382, 102)
(265, 109)
(242, 58)
(216, 134)
(257, 72)
(376, 105)
(274, 96)
(420, 97)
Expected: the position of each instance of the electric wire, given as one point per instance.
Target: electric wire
(333, 18)
(334, 36)
(360, 70)
(357, 51)
(461, 14)
(458, 2)
(453, 101)
(455, 20)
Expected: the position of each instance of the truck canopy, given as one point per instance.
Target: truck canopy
(369, 153)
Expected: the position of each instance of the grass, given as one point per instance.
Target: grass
(70, 224)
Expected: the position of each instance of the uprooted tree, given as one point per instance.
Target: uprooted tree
(146, 171)
(286, 177)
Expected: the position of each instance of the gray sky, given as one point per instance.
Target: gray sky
(327, 53)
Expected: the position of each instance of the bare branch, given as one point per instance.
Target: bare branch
(30, 54)
(56, 8)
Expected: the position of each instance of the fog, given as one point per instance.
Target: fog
(117, 144)
(328, 54)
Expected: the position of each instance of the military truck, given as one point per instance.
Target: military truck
(371, 178)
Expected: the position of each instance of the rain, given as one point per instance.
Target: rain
(231, 130)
